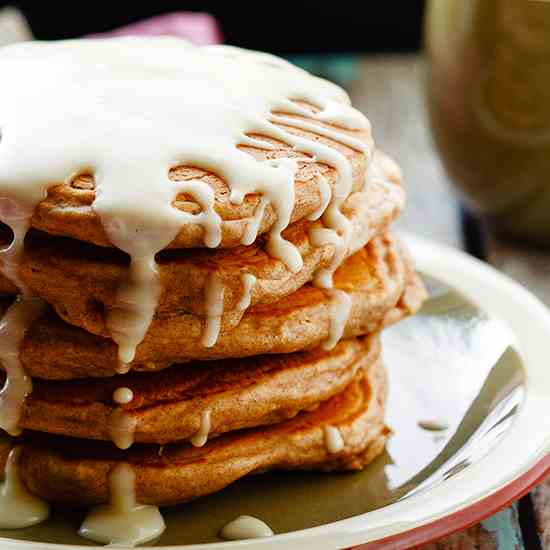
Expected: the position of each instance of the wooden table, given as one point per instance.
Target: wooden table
(389, 90)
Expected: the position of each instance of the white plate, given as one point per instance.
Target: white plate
(503, 452)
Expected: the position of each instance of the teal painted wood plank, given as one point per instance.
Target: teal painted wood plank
(499, 532)
(541, 505)
(505, 528)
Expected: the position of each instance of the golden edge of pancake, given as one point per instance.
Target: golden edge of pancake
(61, 472)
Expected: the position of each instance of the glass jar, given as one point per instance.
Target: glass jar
(489, 102)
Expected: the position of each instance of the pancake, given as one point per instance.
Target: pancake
(88, 277)
(63, 471)
(67, 208)
(7, 288)
(168, 406)
(222, 241)
(379, 280)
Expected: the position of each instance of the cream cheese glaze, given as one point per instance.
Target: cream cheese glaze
(248, 281)
(201, 437)
(333, 440)
(122, 424)
(114, 108)
(123, 522)
(213, 305)
(123, 396)
(18, 385)
(246, 527)
(340, 308)
(18, 507)
(122, 428)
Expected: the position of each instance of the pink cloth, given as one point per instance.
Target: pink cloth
(200, 28)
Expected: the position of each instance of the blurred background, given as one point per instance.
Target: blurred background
(283, 26)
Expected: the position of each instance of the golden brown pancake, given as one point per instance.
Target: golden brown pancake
(87, 277)
(379, 279)
(7, 288)
(239, 393)
(67, 209)
(69, 471)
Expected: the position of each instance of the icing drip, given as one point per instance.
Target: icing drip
(248, 281)
(19, 508)
(213, 305)
(332, 216)
(17, 217)
(142, 237)
(253, 225)
(201, 437)
(123, 396)
(340, 307)
(114, 109)
(276, 245)
(326, 195)
(18, 385)
(122, 427)
(135, 305)
(339, 115)
(123, 522)
(321, 236)
(122, 424)
(333, 440)
(282, 198)
(245, 527)
(433, 425)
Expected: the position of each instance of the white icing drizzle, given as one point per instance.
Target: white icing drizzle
(326, 195)
(201, 437)
(122, 522)
(248, 281)
(122, 428)
(433, 425)
(340, 307)
(19, 508)
(18, 385)
(320, 236)
(17, 216)
(123, 396)
(213, 304)
(246, 527)
(114, 109)
(253, 224)
(256, 142)
(339, 115)
(135, 306)
(333, 218)
(333, 440)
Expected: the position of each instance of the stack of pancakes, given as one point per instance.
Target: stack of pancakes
(247, 365)
(271, 389)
